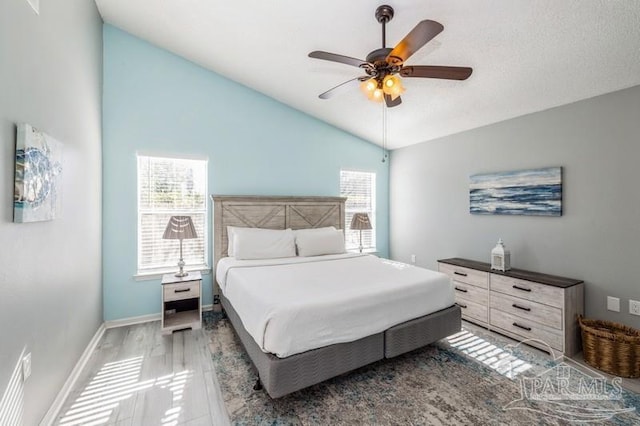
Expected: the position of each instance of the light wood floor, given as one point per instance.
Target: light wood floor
(137, 376)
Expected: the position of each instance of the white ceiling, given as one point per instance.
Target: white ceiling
(527, 55)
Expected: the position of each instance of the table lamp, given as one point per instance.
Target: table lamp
(359, 222)
(180, 228)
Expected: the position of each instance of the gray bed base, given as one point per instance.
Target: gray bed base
(282, 376)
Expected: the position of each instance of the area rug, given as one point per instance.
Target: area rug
(472, 378)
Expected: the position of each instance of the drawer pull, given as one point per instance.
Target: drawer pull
(182, 290)
(461, 289)
(462, 274)
(521, 288)
(521, 307)
(461, 305)
(515, 324)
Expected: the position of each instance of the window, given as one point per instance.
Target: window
(170, 187)
(360, 190)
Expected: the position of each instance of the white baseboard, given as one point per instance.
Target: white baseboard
(132, 320)
(55, 408)
(142, 319)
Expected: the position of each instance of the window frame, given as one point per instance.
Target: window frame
(143, 274)
(372, 214)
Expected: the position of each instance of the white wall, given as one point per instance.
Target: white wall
(596, 141)
(50, 272)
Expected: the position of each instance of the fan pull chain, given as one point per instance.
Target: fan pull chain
(384, 132)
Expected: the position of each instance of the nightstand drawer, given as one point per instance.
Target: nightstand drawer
(465, 275)
(549, 295)
(180, 291)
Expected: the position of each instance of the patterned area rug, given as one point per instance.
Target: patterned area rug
(472, 378)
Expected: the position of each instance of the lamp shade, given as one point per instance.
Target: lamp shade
(360, 221)
(180, 228)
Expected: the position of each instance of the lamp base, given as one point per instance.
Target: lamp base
(181, 273)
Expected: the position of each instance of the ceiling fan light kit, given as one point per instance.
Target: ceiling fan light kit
(375, 89)
(384, 66)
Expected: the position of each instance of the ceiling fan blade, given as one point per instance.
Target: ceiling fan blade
(342, 87)
(334, 57)
(392, 102)
(418, 37)
(434, 71)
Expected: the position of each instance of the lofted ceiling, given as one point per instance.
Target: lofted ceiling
(527, 56)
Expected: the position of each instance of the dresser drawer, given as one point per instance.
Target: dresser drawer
(526, 328)
(471, 292)
(181, 291)
(529, 310)
(465, 275)
(472, 310)
(549, 295)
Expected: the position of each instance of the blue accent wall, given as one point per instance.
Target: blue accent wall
(157, 102)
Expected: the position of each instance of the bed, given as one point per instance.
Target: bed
(296, 338)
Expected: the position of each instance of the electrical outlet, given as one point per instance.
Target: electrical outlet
(613, 304)
(26, 366)
(413, 258)
(634, 307)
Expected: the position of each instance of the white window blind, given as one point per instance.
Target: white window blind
(170, 187)
(360, 190)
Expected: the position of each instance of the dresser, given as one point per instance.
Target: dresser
(540, 308)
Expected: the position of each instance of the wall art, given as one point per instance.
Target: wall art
(535, 192)
(38, 175)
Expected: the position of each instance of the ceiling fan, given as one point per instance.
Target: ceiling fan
(383, 66)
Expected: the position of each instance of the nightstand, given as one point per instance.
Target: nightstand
(181, 302)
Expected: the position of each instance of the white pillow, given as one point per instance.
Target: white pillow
(328, 241)
(230, 234)
(257, 243)
(230, 238)
(326, 229)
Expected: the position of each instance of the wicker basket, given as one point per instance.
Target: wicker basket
(611, 347)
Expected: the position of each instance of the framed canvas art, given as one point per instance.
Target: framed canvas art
(36, 195)
(535, 192)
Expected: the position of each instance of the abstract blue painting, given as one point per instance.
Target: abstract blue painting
(535, 192)
(36, 194)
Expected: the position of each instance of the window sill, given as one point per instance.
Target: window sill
(155, 275)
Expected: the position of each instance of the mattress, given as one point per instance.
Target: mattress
(293, 305)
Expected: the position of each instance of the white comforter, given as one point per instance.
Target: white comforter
(292, 305)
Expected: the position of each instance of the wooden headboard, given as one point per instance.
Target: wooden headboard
(272, 212)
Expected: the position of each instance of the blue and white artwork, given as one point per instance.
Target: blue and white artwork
(36, 195)
(536, 192)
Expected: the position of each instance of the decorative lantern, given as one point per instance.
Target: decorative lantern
(500, 257)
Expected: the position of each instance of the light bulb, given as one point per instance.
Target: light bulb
(390, 83)
(378, 94)
(368, 86)
(395, 89)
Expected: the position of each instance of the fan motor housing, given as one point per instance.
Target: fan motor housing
(379, 56)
